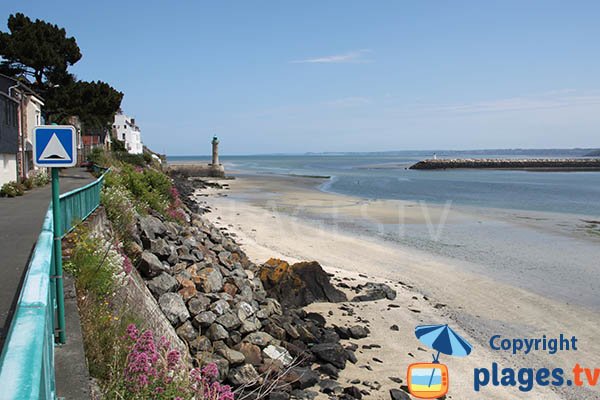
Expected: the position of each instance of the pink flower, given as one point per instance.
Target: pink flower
(210, 370)
(173, 357)
(163, 343)
(127, 264)
(142, 380)
(132, 332)
(154, 367)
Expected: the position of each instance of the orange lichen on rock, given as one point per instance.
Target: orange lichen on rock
(275, 269)
(298, 284)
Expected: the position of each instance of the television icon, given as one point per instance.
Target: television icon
(427, 380)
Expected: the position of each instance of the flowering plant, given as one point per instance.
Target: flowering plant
(174, 210)
(154, 370)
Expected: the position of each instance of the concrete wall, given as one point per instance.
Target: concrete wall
(8, 168)
(200, 170)
(135, 296)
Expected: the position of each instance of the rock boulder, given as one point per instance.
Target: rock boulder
(299, 284)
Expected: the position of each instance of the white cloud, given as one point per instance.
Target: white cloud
(357, 56)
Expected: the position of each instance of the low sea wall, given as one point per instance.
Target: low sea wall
(550, 164)
(200, 170)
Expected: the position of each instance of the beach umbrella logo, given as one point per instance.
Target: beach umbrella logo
(430, 380)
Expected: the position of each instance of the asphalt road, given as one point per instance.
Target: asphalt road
(21, 220)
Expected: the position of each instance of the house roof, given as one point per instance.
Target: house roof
(8, 81)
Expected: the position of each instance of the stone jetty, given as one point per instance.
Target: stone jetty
(543, 164)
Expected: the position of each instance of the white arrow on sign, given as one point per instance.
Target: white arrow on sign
(54, 150)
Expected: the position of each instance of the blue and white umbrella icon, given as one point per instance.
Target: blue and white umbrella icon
(443, 339)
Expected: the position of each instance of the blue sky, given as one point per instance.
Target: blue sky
(280, 76)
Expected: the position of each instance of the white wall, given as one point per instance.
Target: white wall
(129, 133)
(8, 168)
(33, 114)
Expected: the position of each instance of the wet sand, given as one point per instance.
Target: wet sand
(290, 218)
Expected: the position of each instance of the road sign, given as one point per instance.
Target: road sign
(54, 146)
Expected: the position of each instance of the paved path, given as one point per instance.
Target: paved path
(20, 224)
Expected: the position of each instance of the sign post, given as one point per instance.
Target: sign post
(54, 146)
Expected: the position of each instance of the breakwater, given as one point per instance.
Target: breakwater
(549, 164)
(197, 170)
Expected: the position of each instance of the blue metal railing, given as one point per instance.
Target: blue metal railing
(27, 359)
(78, 204)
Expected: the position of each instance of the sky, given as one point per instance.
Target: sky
(313, 76)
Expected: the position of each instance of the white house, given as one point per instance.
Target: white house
(128, 132)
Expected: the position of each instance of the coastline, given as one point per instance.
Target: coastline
(262, 215)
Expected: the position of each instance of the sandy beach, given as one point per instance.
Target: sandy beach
(289, 218)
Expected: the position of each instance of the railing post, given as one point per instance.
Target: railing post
(58, 278)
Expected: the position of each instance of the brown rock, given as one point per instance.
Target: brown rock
(188, 289)
(230, 289)
(251, 352)
(299, 284)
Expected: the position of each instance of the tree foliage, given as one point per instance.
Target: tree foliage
(37, 50)
(41, 52)
(94, 102)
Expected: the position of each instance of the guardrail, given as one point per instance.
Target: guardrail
(27, 359)
(78, 204)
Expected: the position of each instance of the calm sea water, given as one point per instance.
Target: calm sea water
(387, 177)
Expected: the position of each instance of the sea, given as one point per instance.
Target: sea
(384, 176)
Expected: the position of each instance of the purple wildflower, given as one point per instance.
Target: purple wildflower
(210, 370)
(132, 332)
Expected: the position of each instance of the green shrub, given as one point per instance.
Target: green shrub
(103, 325)
(8, 190)
(113, 178)
(12, 189)
(148, 158)
(95, 263)
(120, 209)
(99, 157)
(147, 186)
(41, 179)
(118, 145)
(28, 183)
(133, 159)
(100, 269)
